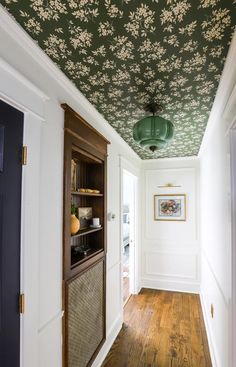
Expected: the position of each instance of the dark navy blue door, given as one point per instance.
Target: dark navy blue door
(11, 140)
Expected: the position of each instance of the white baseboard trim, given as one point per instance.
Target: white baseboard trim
(138, 289)
(111, 336)
(211, 343)
(170, 285)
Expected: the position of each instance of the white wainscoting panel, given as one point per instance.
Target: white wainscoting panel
(172, 265)
(170, 249)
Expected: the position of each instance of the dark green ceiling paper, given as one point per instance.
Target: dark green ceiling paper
(124, 54)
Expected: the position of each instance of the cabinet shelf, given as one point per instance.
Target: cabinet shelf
(85, 231)
(78, 258)
(85, 193)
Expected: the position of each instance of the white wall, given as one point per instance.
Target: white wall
(216, 285)
(170, 250)
(36, 74)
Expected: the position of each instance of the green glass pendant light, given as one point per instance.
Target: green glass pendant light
(153, 132)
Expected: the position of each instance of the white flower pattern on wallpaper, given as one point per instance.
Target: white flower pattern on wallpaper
(122, 54)
(141, 21)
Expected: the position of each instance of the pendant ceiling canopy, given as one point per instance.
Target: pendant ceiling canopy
(122, 54)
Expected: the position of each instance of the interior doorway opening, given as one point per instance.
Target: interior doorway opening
(11, 142)
(128, 233)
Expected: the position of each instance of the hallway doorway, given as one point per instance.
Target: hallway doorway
(11, 141)
(128, 233)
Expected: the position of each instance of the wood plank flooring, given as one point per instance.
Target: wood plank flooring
(161, 329)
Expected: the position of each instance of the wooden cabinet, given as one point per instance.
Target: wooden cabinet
(84, 253)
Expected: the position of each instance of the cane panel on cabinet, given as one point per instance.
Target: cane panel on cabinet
(85, 315)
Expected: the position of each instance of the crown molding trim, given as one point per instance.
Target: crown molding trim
(172, 159)
(224, 91)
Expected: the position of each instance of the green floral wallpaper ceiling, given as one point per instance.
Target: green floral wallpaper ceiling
(123, 53)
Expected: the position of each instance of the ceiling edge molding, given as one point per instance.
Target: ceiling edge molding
(225, 88)
(172, 159)
(229, 115)
(9, 25)
(171, 164)
(153, 171)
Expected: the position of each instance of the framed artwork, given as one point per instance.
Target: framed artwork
(85, 215)
(170, 207)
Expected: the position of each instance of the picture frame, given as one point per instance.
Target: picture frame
(85, 215)
(170, 207)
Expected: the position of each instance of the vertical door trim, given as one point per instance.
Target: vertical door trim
(127, 166)
(30, 242)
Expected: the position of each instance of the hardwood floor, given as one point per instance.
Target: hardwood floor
(161, 329)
